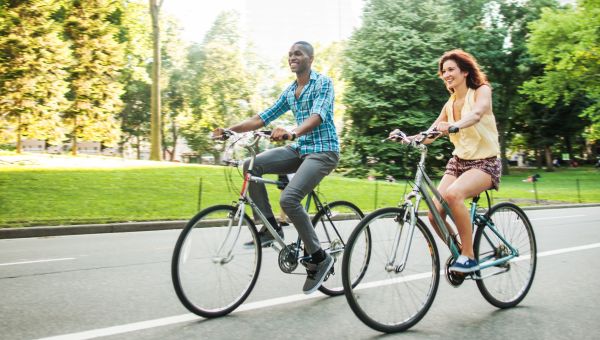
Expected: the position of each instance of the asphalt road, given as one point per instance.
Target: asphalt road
(118, 285)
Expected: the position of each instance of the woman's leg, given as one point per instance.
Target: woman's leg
(469, 184)
(446, 181)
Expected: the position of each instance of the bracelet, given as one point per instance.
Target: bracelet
(294, 135)
(453, 129)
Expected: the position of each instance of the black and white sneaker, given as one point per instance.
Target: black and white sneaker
(317, 272)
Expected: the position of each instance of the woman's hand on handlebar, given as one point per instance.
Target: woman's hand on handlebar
(397, 135)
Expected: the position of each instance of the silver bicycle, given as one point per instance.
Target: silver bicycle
(213, 271)
(401, 279)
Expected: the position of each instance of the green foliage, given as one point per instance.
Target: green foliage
(390, 69)
(33, 62)
(222, 87)
(95, 78)
(567, 42)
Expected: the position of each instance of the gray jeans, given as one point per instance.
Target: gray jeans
(310, 170)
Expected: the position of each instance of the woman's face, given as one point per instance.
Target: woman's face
(452, 75)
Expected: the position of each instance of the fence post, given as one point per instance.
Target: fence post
(578, 190)
(537, 201)
(200, 194)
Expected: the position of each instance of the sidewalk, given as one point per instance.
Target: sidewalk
(8, 233)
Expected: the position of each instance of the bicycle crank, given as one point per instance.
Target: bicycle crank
(288, 260)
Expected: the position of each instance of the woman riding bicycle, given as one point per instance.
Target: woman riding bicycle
(475, 166)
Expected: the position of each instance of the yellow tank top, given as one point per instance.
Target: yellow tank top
(478, 141)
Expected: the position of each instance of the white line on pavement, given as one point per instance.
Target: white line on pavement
(245, 307)
(555, 217)
(37, 261)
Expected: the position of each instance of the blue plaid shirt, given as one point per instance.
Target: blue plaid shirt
(316, 98)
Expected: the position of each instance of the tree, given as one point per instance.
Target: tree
(390, 73)
(222, 90)
(155, 137)
(91, 26)
(175, 98)
(33, 62)
(567, 42)
(135, 30)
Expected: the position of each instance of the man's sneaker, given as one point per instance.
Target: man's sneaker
(464, 265)
(317, 273)
(265, 238)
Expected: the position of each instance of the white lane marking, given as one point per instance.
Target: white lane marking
(37, 261)
(250, 306)
(552, 218)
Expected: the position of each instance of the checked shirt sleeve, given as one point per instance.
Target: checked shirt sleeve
(280, 107)
(323, 103)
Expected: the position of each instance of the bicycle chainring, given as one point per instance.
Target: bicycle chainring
(454, 279)
(288, 260)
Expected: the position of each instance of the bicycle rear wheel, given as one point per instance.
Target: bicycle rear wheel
(515, 277)
(212, 271)
(389, 299)
(334, 224)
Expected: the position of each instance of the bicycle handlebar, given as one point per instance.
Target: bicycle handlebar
(422, 136)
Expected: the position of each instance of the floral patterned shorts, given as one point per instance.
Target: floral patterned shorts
(491, 166)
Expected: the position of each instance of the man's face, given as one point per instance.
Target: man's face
(298, 59)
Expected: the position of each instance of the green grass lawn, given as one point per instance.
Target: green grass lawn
(50, 196)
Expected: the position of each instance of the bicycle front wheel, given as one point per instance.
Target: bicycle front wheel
(334, 224)
(514, 278)
(213, 271)
(395, 292)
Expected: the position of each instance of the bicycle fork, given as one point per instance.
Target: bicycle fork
(400, 224)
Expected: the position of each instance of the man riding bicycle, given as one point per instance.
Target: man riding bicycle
(314, 155)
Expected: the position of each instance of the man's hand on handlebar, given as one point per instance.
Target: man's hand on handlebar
(221, 134)
(279, 134)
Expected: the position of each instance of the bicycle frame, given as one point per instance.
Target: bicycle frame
(244, 198)
(421, 190)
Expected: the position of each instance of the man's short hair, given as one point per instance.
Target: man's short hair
(307, 47)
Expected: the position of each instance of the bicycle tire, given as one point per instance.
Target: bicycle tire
(390, 301)
(210, 281)
(508, 288)
(334, 224)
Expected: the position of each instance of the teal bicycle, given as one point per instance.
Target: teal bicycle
(399, 282)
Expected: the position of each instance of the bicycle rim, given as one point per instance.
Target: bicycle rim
(512, 283)
(387, 300)
(334, 224)
(212, 271)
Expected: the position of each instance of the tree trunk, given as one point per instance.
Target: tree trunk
(19, 141)
(548, 153)
(174, 136)
(137, 147)
(155, 134)
(502, 140)
(74, 139)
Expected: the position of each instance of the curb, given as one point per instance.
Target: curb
(82, 229)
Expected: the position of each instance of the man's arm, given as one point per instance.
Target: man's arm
(249, 124)
(307, 126)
